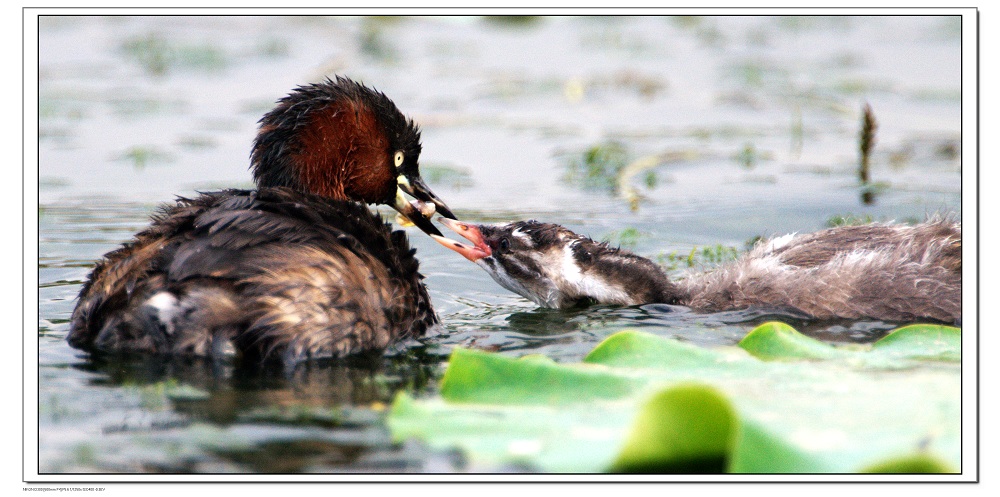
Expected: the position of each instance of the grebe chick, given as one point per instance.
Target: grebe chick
(299, 268)
(879, 271)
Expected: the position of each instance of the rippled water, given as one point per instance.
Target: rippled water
(755, 120)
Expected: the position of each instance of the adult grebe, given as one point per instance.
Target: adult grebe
(299, 268)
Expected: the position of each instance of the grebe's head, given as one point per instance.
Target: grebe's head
(343, 140)
(555, 267)
(526, 257)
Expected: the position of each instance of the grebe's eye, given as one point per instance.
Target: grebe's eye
(399, 158)
(504, 244)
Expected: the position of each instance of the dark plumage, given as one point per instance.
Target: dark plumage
(297, 269)
(297, 143)
(880, 271)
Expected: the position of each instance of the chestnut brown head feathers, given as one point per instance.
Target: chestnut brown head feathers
(343, 140)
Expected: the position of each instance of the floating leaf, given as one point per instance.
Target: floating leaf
(918, 463)
(525, 381)
(896, 350)
(687, 428)
(539, 437)
(644, 403)
(922, 341)
(779, 341)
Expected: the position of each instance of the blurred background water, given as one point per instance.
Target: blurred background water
(734, 127)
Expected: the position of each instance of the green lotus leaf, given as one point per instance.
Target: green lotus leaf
(777, 340)
(783, 403)
(687, 428)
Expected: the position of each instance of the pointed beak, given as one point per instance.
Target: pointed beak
(469, 231)
(469, 252)
(419, 213)
(419, 190)
(478, 250)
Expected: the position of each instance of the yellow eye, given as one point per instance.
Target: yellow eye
(399, 159)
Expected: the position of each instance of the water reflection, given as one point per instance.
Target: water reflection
(261, 419)
(568, 335)
(543, 322)
(233, 387)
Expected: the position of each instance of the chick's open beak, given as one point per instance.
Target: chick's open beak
(471, 232)
(468, 231)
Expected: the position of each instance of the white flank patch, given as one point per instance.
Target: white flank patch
(570, 270)
(767, 265)
(166, 306)
(777, 243)
(584, 285)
